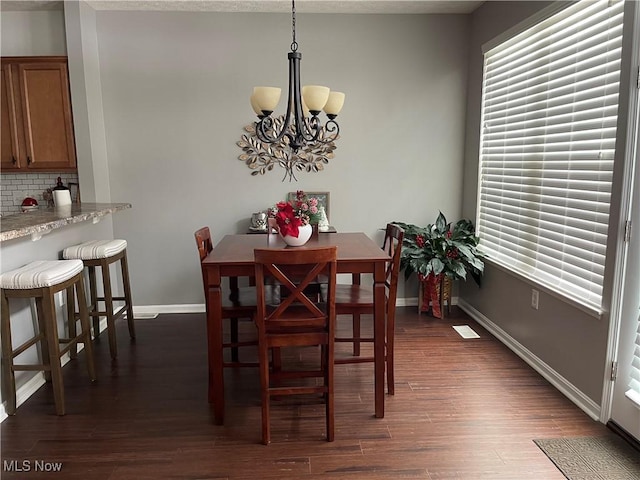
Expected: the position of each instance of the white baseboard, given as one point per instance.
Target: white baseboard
(145, 311)
(413, 302)
(148, 311)
(566, 388)
(407, 302)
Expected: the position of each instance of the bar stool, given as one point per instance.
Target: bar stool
(102, 253)
(41, 280)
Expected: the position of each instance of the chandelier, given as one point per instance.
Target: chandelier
(301, 126)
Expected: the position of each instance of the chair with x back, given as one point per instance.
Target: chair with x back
(295, 318)
(356, 300)
(239, 305)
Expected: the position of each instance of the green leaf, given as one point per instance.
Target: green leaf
(441, 223)
(436, 265)
(459, 270)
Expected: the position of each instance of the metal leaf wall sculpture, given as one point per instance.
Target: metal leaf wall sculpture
(263, 157)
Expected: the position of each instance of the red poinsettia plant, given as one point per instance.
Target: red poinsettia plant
(291, 216)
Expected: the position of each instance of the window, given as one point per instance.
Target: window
(549, 114)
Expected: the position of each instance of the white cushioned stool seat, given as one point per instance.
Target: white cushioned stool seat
(95, 249)
(40, 274)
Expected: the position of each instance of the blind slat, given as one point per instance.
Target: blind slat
(549, 119)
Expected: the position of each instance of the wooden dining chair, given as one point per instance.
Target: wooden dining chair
(293, 317)
(238, 305)
(356, 300)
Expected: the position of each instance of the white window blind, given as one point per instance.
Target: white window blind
(549, 114)
(634, 385)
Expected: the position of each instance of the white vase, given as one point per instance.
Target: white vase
(304, 234)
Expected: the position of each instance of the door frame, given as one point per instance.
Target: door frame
(631, 170)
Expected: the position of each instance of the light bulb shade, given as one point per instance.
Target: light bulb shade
(254, 104)
(315, 96)
(334, 103)
(267, 98)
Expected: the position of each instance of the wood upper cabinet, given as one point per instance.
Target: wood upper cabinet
(9, 128)
(37, 127)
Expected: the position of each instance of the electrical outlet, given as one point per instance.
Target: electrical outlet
(535, 295)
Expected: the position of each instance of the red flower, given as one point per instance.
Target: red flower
(453, 253)
(287, 220)
(420, 241)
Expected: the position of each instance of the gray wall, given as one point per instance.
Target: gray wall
(38, 33)
(161, 98)
(175, 90)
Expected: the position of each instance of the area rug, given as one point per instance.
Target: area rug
(593, 458)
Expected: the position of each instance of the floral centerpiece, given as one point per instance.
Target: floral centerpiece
(290, 216)
(440, 250)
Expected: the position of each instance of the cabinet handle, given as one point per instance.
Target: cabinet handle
(28, 160)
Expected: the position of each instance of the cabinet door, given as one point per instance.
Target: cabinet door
(46, 107)
(10, 158)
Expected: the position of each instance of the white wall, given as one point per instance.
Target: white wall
(175, 90)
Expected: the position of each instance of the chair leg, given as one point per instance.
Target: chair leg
(234, 339)
(276, 359)
(263, 352)
(127, 294)
(356, 334)
(86, 329)
(233, 296)
(71, 321)
(93, 295)
(389, 344)
(108, 301)
(329, 410)
(7, 358)
(51, 326)
(42, 326)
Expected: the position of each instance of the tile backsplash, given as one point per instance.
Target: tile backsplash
(14, 187)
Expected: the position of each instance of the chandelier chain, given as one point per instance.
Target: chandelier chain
(294, 43)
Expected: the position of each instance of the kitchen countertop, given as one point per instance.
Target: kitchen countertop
(42, 220)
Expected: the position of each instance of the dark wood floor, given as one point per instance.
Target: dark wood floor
(463, 409)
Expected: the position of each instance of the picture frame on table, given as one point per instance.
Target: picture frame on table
(323, 200)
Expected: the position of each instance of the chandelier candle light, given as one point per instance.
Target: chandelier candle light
(299, 128)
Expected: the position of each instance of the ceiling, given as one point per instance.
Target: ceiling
(308, 6)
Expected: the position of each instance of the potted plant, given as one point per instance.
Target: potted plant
(438, 254)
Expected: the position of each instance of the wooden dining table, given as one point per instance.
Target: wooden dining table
(233, 257)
